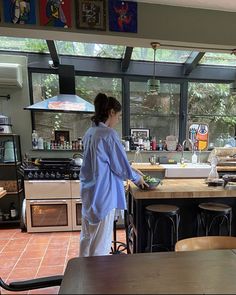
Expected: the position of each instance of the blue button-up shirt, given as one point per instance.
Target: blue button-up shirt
(105, 167)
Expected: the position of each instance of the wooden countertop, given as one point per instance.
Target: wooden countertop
(181, 188)
(148, 167)
(2, 192)
(226, 168)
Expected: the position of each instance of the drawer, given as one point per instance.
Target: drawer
(45, 189)
(75, 189)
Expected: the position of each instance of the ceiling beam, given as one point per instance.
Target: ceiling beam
(126, 60)
(53, 52)
(192, 61)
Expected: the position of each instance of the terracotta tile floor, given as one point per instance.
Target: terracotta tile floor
(31, 255)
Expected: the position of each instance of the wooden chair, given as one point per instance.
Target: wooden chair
(206, 243)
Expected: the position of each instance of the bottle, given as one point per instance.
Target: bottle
(13, 212)
(35, 140)
(194, 158)
(154, 143)
(40, 143)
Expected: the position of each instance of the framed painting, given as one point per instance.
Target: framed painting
(55, 13)
(122, 16)
(91, 14)
(19, 12)
(138, 133)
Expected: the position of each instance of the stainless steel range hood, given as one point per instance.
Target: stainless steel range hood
(66, 100)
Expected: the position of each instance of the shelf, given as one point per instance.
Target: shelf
(15, 193)
(76, 151)
(10, 221)
(10, 164)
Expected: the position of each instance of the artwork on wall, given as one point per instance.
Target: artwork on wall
(56, 13)
(199, 135)
(123, 16)
(19, 11)
(91, 14)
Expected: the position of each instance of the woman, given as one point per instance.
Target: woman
(104, 168)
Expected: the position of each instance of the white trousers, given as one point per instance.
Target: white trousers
(96, 239)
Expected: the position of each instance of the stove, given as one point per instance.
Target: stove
(51, 169)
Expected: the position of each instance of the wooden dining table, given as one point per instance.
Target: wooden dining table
(193, 272)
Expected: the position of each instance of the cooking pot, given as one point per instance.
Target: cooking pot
(5, 124)
(77, 159)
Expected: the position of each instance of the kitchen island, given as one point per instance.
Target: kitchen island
(185, 193)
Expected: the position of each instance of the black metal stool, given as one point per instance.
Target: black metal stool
(118, 247)
(154, 213)
(214, 214)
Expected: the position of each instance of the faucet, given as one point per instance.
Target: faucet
(182, 160)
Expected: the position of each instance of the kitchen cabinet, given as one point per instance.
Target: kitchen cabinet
(11, 179)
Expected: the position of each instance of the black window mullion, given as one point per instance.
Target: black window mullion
(125, 106)
(183, 111)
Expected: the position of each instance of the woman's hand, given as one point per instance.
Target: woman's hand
(142, 184)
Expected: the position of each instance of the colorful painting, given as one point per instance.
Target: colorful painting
(91, 14)
(123, 16)
(56, 13)
(199, 135)
(19, 11)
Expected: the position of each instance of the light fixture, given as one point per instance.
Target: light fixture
(153, 85)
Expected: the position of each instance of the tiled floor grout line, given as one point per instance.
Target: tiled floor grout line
(18, 257)
(43, 257)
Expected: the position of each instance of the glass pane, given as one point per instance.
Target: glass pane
(213, 104)
(90, 49)
(159, 113)
(162, 55)
(49, 215)
(222, 59)
(211, 99)
(46, 85)
(23, 44)
(78, 214)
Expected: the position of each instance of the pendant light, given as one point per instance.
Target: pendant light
(153, 85)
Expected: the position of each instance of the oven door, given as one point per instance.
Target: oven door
(48, 215)
(76, 214)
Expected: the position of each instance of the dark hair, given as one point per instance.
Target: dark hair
(103, 105)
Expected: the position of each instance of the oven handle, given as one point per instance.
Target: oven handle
(48, 201)
(46, 181)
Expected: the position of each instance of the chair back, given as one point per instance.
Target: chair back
(206, 243)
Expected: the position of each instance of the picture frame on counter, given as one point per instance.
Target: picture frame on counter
(91, 14)
(137, 133)
(62, 136)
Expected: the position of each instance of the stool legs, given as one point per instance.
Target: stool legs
(152, 223)
(206, 221)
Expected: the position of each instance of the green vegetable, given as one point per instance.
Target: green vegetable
(148, 178)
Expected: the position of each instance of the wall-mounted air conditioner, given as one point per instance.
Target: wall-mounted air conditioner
(10, 75)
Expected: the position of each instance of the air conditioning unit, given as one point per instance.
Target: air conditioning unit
(10, 75)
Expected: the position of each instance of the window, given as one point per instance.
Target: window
(46, 86)
(213, 104)
(159, 113)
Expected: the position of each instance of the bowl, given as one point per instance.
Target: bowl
(153, 183)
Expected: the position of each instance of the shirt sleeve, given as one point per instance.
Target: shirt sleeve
(119, 163)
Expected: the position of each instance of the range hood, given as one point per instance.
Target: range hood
(66, 100)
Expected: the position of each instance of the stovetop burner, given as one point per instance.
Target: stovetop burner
(51, 169)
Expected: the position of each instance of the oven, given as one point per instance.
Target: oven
(76, 205)
(48, 205)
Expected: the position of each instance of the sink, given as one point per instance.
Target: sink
(187, 170)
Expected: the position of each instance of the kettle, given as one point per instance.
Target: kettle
(77, 159)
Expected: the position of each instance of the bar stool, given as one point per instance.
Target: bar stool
(118, 247)
(155, 213)
(214, 214)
